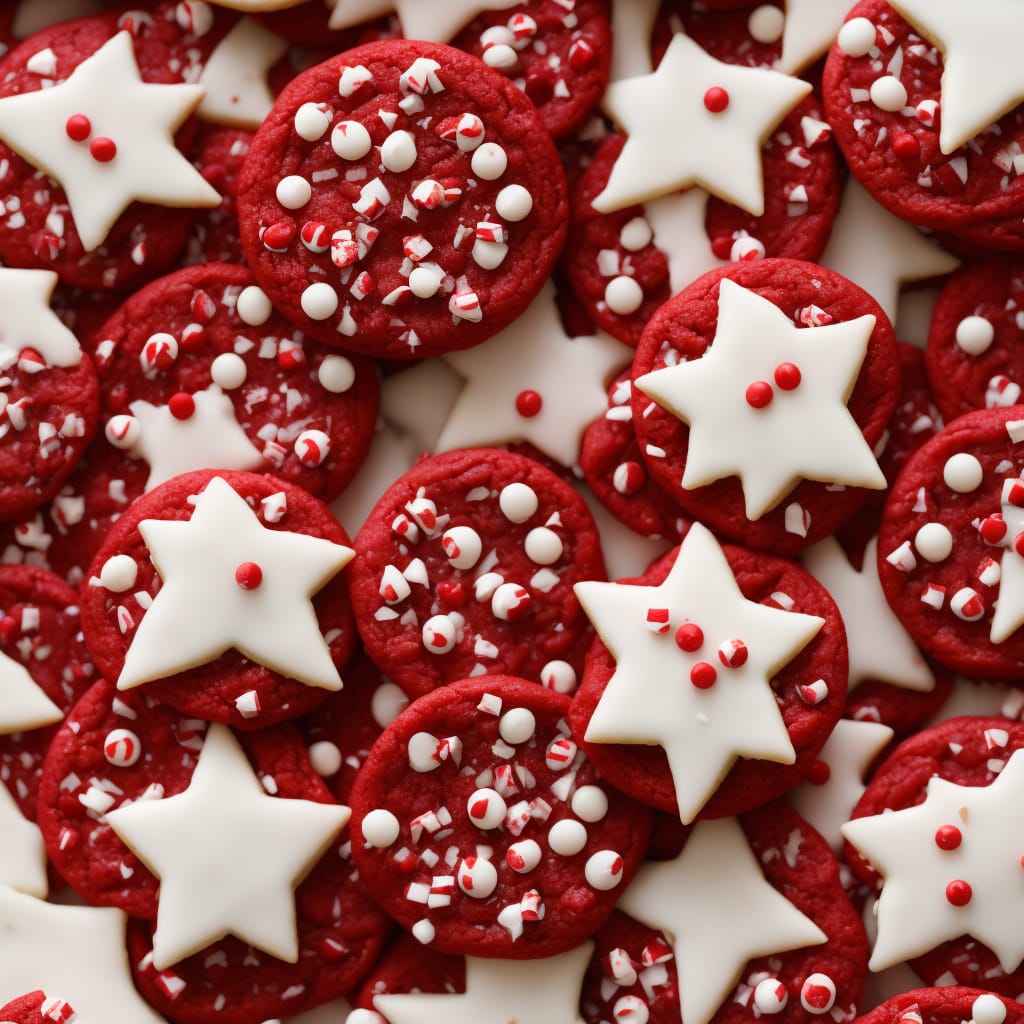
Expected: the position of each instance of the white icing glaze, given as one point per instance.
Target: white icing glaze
(24, 705)
(225, 816)
(435, 20)
(140, 118)
(723, 151)
(632, 25)
(703, 731)
(202, 606)
(28, 322)
(811, 25)
(22, 853)
(804, 433)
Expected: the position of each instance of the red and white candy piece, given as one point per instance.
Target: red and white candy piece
(312, 447)
(462, 546)
(560, 754)
(123, 431)
(122, 748)
(630, 1010)
(423, 756)
(523, 856)
(818, 994)
(58, 1010)
(559, 676)
(770, 996)
(486, 808)
(510, 602)
(603, 870)
(440, 634)
(158, 354)
(477, 877)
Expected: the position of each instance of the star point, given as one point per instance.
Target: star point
(22, 853)
(28, 321)
(808, 31)
(228, 855)
(437, 21)
(23, 704)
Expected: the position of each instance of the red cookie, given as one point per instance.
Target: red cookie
(733, 33)
(883, 96)
(976, 333)
(197, 370)
(306, 25)
(666, 639)
(424, 221)
(37, 1008)
(409, 966)
(757, 478)
(949, 1004)
(489, 761)
(40, 630)
(559, 56)
(947, 558)
(466, 566)
(119, 151)
(233, 633)
(624, 265)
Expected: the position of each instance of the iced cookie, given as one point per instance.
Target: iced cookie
(466, 566)
(220, 592)
(402, 199)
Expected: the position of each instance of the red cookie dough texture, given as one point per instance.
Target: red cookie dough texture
(479, 826)
(749, 33)
(947, 555)
(40, 630)
(967, 752)
(230, 688)
(204, 346)
(402, 199)
(37, 1008)
(619, 268)
(976, 338)
(949, 1004)
(558, 53)
(466, 566)
(882, 93)
(684, 329)
(810, 692)
(409, 966)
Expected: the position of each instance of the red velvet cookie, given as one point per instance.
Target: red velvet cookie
(921, 142)
(480, 828)
(733, 33)
(759, 394)
(197, 371)
(935, 829)
(947, 555)
(466, 566)
(976, 332)
(402, 199)
(107, 135)
(559, 56)
(40, 634)
(636, 969)
(949, 1004)
(717, 679)
(37, 1008)
(245, 621)
(307, 25)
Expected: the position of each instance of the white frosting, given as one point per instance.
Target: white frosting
(22, 853)
(811, 25)
(501, 991)
(632, 26)
(702, 731)
(914, 914)
(139, 117)
(435, 20)
(204, 609)
(226, 817)
(28, 322)
(804, 433)
(24, 705)
(723, 151)
(720, 912)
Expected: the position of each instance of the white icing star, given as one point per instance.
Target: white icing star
(651, 700)
(880, 252)
(210, 438)
(809, 29)
(532, 354)
(201, 610)
(880, 648)
(982, 76)
(719, 912)
(500, 992)
(632, 27)
(719, 151)
(1008, 616)
(140, 119)
(23, 705)
(914, 914)
(804, 433)
(22, 852)
(76, 951)
(27, 321)
(228, 855)
(849, 752)
(235, 76)
(437, 21)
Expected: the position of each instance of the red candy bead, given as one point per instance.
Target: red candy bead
(689, 637)
(959, 892)
(103, 150)
(787, 376)
(182, 405)
(528, 404)
(248, 575)
(759, 394)
(78, 127)
(716, 99)
(819, 774)
(948, 837)
(703, 675)
(906, 146)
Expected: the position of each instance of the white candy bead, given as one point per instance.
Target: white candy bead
(336, 374)
(856, 37)
(603, 870)
(514, 203)
(486, 808)
(350, 140)
(228, 371)
(543, 546)
(770, 996)
(934, 542)
(589, 803)
(559, 676)
(988, 1009)
(423, 752)
(319, 301)
(517, 725)
(962, 473)
(462, 545)
(489, 161)
(766, 24)
(523, 856)
(293, 192)
(119, 573)
(122, 748)
(398, 152)
(380, 828)
(974, 335)
(518, 502)
(253, 307)
(325, 757)
(623, 295)
(567, 837)
(888, 93)
(312, 121)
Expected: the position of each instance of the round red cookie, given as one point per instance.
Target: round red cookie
(560, 57)
(479, 827)
(197, 370)
(402, 199)
(686, 330)
(236, 585)
(946, 551)
(893, 148)
(615, 471)
(40, 630)
(949, 1004)
(39, 229)
(968, 752)
(624, 265)
(466, 565)
(976, 334)
(809, 690)
(749, 34)
(635, 966)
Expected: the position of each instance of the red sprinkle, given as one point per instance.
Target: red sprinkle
(689, 637)
(819, 774)
(787, 376)
(182, 405)
(993, 529)
(248, 575)
(78, 127)
(959, 892)
(1018, 544)
(948, 837)
(103, 150)
(759, 394)
(452, 593)
(528, 404)
(906, 146)
(716, 99)
(703, 675)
